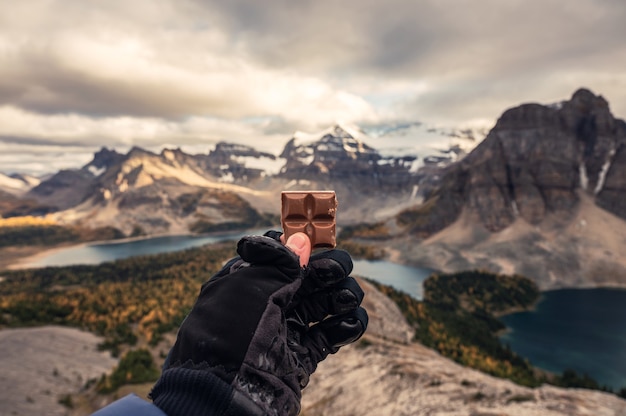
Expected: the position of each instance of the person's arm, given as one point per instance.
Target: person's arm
(259, 328)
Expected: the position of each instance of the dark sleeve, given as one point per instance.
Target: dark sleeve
(190, 392)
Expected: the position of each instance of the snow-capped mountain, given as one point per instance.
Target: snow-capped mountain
(340, 153)
(430, 144)
(16, 183)
(173, 191)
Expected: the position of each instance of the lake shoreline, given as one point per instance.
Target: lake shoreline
(20, 258)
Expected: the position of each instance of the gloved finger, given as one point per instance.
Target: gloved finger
(262, 250)
(325, 269)
(274, 234)
(331, 263)
(331, 334)
(341, 298)
(228, 266)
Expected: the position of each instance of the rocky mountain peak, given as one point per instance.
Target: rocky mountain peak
(225, 150)
(340, 140)
(337, 157)
(586, 101)
(337, 139)
(238, 163)
(102, 160)
(173, 154)
(534, 162)
(138, 152)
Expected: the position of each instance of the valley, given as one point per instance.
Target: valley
(540, 197)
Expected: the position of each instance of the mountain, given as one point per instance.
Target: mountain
(147, 193)
(543, 195)
(17, 183)
(233, 185)
(430, 143)
(535, 161)
(12, 203)
(368, 183)
(339, 156)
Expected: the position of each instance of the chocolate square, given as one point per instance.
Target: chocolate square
(311, 212)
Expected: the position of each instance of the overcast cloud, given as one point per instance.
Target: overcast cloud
(78, 75)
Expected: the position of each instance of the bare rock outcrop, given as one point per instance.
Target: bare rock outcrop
(42, 365)
(531, 164)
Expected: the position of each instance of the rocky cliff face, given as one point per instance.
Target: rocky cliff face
(544, 195)
(531, 165)
(171, 192)
(240, 164)
(65, 189)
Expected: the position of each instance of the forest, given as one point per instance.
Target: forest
(127, 301)
(36, 234)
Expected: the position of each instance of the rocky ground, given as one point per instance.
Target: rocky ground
(42, 365)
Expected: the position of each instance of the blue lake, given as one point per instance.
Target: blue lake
(405, 278)
(116, 250)
(584, 330)
(581, 329)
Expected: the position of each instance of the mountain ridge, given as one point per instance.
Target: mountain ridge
(140, 184)
(515, 203)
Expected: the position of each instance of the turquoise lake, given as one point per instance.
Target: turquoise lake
(584, 330)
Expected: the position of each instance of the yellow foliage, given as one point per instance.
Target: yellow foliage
(27, 220)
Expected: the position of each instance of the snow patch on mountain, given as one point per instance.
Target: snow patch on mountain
(96, 171)
(426, 142)
(342, 131)
(17, 184)
(268, 165)
(603, 172)
(12, 183)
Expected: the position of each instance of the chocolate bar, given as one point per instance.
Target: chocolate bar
(310, 212)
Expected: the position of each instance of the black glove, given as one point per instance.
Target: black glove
(263, 323)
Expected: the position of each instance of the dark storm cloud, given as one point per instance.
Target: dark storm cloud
(346, 44)
(476, 58)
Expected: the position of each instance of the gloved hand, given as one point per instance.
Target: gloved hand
(263, 323)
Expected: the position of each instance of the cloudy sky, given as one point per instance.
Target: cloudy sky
(77, 75)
